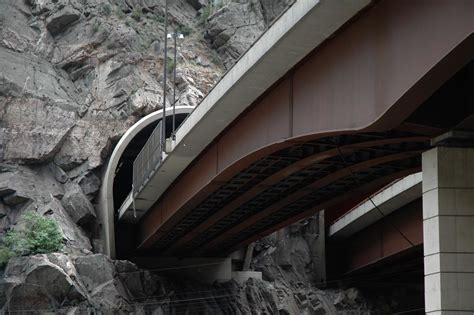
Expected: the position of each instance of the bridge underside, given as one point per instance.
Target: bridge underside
(291, 184)
(332, 173)
(219, 206)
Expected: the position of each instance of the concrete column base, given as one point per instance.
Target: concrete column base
(204, 270)
(448, 228)
(243, 276)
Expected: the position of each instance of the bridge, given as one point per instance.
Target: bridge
(333, 102)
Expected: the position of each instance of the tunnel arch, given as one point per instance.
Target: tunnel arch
(106, 197)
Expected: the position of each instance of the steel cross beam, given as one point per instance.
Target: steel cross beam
(285, 172)
(365, 189)
(348, 171)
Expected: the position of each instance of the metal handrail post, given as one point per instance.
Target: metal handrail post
(174, 82)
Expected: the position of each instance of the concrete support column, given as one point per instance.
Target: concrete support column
(448, 230)
(248, 257)
(319, 252)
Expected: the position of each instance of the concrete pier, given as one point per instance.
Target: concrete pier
(448, 224)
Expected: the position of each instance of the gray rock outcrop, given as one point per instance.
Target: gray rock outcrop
(74, 76)
(286, 260)
(61, 19)
(61, 283)
(41, 283)
(98, 274)
(235, 25)
(78, 206)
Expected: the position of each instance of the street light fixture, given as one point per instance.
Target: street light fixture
(175, 35)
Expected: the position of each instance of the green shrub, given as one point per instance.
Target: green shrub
(216, 59)
(206, 12)
(5, 255)
(121, 15)
(95, 27)
(137, 14)
(41, 236)
(184, 29)
(159, 18)
(170, 65)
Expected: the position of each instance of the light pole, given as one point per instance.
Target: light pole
(175, 35)
(165, 70)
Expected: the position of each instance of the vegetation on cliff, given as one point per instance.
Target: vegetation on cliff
(38, 235)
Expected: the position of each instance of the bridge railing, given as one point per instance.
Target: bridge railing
(148, 160)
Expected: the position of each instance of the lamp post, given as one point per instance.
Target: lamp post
(175, 35)
(165, 70)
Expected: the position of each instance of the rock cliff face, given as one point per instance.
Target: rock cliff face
(235, 25)
(74, 76)
(70, 284)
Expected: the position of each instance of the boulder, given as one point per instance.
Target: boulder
(54, 281)
(139, 283)
(15, 198)
(94, 270)
(15, 187)
(59, 21)
(145, 101)
(98, 274)
(33, 94)
(29, 76)
(198, 4)
(37, 283)
(77, 205)
(48, 127)
(89, 142)
(59, 174)
(110, 297)
(89, 184)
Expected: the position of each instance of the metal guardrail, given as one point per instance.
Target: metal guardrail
(148, 160)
